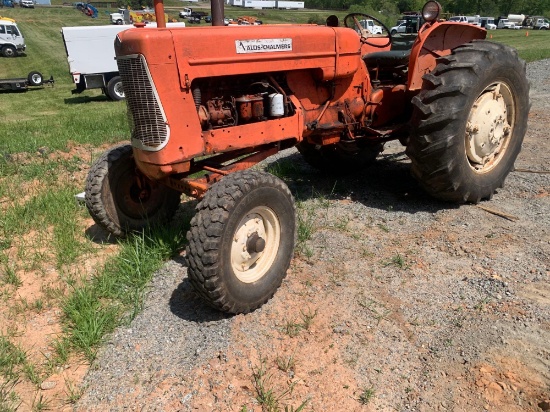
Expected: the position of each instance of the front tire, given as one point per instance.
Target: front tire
(9, 51)
(241, 241)
(121, 200)
(469, 122)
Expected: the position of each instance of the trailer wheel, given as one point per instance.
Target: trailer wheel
(469, 122)
(115, 91)
(35, 79)
(121, 200)
(241, 241)
(340, 158)
(9, 51)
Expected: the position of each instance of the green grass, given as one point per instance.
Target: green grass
(534, 47)
(116, 292)
(366, 396)
(270, 398)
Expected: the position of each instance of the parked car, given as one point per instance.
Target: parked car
(29, 4)
(409, 24)
(459, 19)
(401, 28)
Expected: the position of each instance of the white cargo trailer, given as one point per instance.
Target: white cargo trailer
(260, 4)
(91, 56)
(288, 5)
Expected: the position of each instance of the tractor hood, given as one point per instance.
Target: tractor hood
(221, 51)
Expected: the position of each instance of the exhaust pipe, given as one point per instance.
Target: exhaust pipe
(159, 14)
(216, 8)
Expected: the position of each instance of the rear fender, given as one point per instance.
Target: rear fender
(437, 40)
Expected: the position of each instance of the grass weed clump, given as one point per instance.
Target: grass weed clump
(116, 293)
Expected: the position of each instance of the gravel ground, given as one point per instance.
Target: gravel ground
(398, 302)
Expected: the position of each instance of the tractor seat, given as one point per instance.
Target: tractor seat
(385, 59)
(398, 55)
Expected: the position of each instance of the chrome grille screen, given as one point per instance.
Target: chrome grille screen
(147, 119)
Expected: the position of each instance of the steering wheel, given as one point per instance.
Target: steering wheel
(358, 22)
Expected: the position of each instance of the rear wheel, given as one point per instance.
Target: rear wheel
(241, 241)
(469, 122)
(115, 91)
(120, 199)
(9, 51)
(343, 157)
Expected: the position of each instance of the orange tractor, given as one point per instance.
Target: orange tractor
(218, 100)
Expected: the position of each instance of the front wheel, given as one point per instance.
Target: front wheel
(241, 241)
(121, 200)
(469, 122)
(9, 51)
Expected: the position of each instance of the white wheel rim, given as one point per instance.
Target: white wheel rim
(489, 127)
(119, 90)
(260, 223)
(36, 78)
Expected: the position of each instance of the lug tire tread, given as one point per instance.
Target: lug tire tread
(206, 232)
(94, 190)
(441, 111)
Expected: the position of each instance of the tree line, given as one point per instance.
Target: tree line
(493, 8)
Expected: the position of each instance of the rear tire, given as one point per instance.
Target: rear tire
(241, 241)
(121, 200)
(115, 91)
(340, 158)
(469, 122)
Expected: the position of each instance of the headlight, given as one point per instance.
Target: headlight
(431, 11)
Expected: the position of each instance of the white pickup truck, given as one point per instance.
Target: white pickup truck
(507, 24)
(370, 26)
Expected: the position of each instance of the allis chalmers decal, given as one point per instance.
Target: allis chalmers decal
(263, 45)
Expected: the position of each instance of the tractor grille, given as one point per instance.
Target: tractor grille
(147, 120)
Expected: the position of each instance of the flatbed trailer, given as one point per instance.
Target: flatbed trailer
(34, 79)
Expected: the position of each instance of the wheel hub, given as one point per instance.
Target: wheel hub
(119, 90)
(255, 244)
(488, 129)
